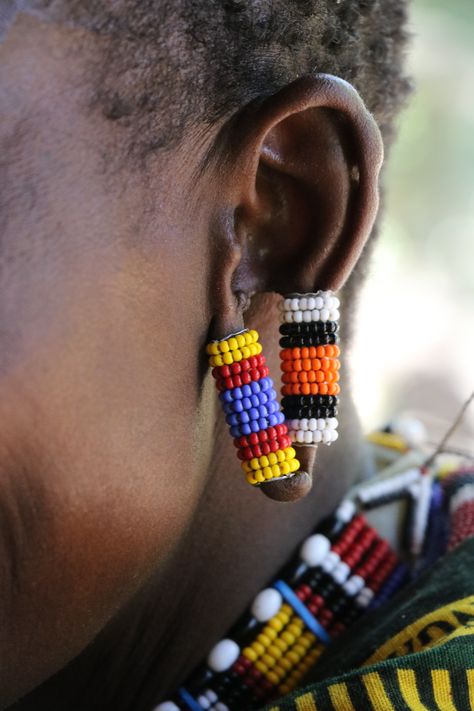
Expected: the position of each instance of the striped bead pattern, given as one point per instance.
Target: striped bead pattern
(310, 366)
(252, 411)
(341, 570)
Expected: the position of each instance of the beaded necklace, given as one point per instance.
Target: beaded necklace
(340, 572)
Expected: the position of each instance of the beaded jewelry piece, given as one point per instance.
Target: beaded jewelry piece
(310, 390)
(310, 366)
(252, 411)
(341, 570)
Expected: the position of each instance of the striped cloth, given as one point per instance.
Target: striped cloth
(416, 653)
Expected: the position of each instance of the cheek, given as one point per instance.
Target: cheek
(109, 414)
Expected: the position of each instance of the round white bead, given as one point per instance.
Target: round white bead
(266, 604)
(166, 706)
(319, 302)
(345, 511)
(203, 702)
(295, 304)
(308, 437)
(303, 424)
(341, 572)
(287, 304)
(327, 436)
(336, 302)
(330, 561)
(334, 315)
(317, 436)
(357, 582)
(288, 316)
(315, 314)
(223, 655)
(220, 707)
(307, 316)
(321, 423)
(300, 436)
(312, 424)
(350, 588)
(304, 303)
(311, 303)
(297, 316)
(365, 596)
(332, 423)
(334, 435)
(324, 315)
(315, 549)
(211, 695)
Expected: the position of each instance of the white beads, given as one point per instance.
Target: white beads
(354, 585)
(166, 706)
(223, 655)
(341, 572)
(321, 306)
(266, 605)
(315, 549)
(313, 431)
(364, 598)
(345, 511)
(330, 562)
(208, 699)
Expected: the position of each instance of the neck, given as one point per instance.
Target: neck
(235, 542)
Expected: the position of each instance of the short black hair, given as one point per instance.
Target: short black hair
(169, 63)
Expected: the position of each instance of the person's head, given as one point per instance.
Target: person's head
(160, 164)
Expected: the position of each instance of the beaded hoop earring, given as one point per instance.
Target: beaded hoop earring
(263, 433)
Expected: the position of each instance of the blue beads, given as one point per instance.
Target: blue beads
(226, 396)
(251, 407)
(254, 401)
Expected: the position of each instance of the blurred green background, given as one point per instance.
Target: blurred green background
(418, 305)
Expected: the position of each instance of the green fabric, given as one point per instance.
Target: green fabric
(416, 652)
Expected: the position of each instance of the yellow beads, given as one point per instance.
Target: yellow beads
(271, 466)
(284, 650)
(234, 349)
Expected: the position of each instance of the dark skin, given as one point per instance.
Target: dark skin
(123, 493)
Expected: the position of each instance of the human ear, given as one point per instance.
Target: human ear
(298, 193)
(296, 201)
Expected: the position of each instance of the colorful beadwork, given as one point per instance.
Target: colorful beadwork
(252, 411)
(310, 366)
(341, 570)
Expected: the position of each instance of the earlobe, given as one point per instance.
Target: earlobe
(305, 184)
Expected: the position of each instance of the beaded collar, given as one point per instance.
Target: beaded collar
(340, 572)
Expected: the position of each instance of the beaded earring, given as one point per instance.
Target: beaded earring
(310, 366)
(251, 408)
(263, 433)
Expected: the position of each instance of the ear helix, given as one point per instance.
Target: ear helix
(277, 445)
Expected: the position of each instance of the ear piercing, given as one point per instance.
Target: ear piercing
(264, 434)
